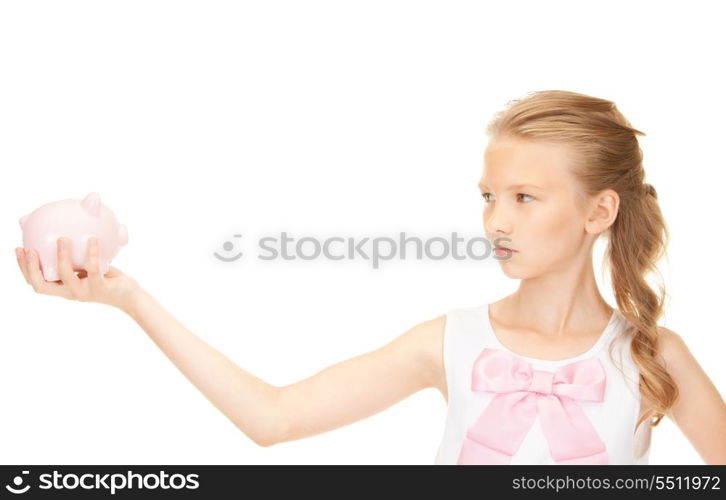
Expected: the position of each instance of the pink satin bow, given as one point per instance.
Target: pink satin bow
(524, 393)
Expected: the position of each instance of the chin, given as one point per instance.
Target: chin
(509, 270)
(513, 271)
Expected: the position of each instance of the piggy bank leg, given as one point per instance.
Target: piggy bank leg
(48, 263)
(50, 274)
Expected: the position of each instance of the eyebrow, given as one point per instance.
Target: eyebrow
(515, 186)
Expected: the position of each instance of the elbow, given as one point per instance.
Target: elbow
(269, 438)
(264, 443)
(263, 439)
(276, 429)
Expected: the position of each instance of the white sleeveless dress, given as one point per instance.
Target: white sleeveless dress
(583, 406)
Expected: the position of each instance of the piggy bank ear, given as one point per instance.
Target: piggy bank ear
(22, 221)
(92, 204)
(123, 235)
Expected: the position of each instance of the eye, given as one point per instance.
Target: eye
(523, 194)
(487, 197)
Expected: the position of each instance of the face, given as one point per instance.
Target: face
(530, 206)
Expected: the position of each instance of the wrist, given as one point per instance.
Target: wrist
(133, 301)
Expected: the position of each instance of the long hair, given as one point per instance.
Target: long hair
(608, 156)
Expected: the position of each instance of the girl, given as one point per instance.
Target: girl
(561, 169)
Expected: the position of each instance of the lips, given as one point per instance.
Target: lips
(505, 248)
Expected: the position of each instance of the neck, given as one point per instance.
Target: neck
(560, 303)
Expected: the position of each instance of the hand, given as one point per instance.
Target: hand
(114, 288)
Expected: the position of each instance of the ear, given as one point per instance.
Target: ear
(92, 204)
(604, 211)
(22, 220)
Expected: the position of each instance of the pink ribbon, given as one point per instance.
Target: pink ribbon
(523, 393)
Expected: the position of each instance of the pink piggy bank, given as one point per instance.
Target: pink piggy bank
(77, 220)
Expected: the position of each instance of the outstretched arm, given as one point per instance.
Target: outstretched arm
(338, 395)
(248, 401)
(364, 385)
(267, 414)
(699, 411)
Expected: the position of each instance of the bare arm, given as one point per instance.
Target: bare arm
(364, 385)
(699, 411)
(248, 401)
(267, 414)
(338, 395)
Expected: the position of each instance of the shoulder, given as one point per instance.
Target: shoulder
(429, 335)
(671, 347)
(673, 356)
(427, 338)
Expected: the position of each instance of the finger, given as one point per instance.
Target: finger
(93, 269)
(36, 277)
(65, 267)
(20, 254)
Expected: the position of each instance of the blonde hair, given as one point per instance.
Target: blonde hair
(608, 156)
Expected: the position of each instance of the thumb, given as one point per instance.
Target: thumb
(114, 272)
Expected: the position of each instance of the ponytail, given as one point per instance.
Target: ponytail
(638, 239)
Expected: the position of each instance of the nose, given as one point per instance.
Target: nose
(496, 222)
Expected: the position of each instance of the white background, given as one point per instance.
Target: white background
(196, 120)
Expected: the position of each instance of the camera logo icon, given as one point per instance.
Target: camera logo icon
(18, 481)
